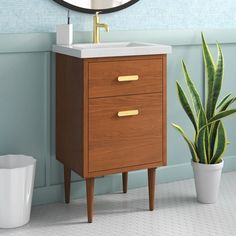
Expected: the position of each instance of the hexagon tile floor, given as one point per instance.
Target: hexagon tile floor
(177, 214)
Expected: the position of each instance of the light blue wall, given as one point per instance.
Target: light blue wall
(42, 15)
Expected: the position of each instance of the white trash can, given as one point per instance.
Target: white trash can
(17, 174)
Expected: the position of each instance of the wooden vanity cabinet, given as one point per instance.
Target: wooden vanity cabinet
(110, 118)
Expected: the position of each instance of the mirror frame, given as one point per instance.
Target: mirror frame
(92, 11)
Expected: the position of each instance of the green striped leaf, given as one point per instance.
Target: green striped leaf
(202, 137)
(185, 104)
(192, 90)
(202, 120)
(210, 74)
(222, 114)
(218, 79)
(213, 132)
(207, 144)
(227, 104)
(221, 144)
(223, 101)
(189, 142)
(215, 126)
(201, 148)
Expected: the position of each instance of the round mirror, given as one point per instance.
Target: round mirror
(92, 6)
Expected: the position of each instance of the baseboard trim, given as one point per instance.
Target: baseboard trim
(108, 184)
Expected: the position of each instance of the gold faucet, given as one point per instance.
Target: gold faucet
(96, 28)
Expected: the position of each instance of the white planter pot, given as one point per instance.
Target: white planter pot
(207, 181)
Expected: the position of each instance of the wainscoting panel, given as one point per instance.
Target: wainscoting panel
(27, 104)
(24, 81)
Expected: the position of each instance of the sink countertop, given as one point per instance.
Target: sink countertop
(89, 50)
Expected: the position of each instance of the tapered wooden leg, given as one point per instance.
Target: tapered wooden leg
(67, 179)
(90, 192)
(151, 187)
(125, 181)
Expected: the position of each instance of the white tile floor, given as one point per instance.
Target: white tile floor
(177, 214)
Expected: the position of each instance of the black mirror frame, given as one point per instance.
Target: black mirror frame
(92, 11)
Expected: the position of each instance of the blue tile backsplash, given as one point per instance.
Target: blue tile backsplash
(43, 15)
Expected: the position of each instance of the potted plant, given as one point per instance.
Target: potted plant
(210, 140)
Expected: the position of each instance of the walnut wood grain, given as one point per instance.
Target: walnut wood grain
(124, 169)
(67, 179)
(70, 110)
(103, 77)
(90, 193)
(90, 138)
(125, 181)
(116, 142)
(164, 111)
(151, 187)
(72, 137)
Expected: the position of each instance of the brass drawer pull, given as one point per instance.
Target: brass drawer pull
(128, 113)
(128, 78)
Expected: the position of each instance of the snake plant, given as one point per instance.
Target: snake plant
(210, 138)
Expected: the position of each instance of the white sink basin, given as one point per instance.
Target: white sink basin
(89, 50)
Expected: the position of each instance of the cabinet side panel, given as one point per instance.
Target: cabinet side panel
(69, 112)
(164, 112)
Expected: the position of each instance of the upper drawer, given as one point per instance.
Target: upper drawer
(146, 75)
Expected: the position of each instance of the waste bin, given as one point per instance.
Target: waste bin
(17, 174)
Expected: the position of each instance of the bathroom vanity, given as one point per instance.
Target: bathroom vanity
(110, 112)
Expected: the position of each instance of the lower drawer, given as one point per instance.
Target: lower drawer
(129, 140)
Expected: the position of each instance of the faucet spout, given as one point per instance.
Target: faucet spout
(105, 26)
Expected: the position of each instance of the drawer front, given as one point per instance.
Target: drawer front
(125, 131)
(113, 78)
